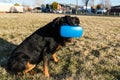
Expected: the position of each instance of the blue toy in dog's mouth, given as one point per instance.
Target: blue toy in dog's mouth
(71, 31)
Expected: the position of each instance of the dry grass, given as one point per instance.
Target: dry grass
(95, 56)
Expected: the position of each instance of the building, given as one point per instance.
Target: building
(16, 9)
(115, 10)
(5, 7)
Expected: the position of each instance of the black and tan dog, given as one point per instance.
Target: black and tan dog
(39, 46)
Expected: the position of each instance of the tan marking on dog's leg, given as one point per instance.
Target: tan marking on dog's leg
(54, 56)
(29, 67)
(45, 68)
(58, 47)
(46, 71)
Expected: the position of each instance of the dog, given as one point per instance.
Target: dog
(40, 46)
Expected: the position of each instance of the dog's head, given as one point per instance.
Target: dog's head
(59, 21)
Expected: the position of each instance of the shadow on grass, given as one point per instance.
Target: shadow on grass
(5, 49)
(65, 72)
(96, 52)
(114, 73)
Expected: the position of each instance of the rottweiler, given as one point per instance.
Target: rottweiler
(40, 46)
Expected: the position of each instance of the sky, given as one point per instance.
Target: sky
(33, 2)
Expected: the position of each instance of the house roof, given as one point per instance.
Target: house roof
(118, 6)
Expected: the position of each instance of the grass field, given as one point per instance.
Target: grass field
(95, 56)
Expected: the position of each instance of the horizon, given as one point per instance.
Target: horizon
(35, 2)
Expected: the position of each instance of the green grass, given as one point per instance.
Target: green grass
(95, 56)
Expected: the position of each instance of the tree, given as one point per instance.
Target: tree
(106, 4)
(91, 3)
(54, 5)
(16, 4)
(86, 4)
(99, 6)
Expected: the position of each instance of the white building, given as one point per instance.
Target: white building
(16, 9)
(5, 7)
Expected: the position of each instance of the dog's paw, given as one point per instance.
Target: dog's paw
(47, 75)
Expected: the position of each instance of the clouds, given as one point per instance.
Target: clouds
(39, 2)
(115, 2)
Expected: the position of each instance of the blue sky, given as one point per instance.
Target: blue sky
(32, 2)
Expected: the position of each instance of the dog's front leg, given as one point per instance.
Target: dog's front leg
(45, 66)
(54, 56)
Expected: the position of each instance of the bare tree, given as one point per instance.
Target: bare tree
(106, 4)
(91, 3)
(86, 4)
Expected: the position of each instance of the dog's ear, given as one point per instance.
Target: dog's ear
(72, 20)
(68, 19)
(76, 20)
(56, 19)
